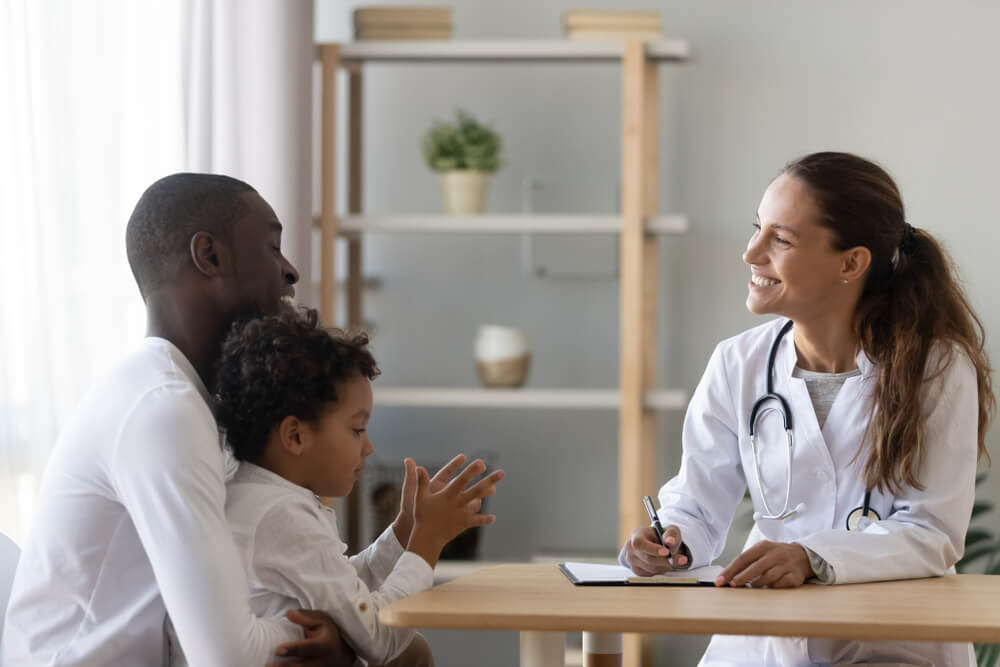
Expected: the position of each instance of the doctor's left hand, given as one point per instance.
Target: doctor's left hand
(771, 564)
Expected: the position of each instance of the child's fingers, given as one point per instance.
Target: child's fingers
(487, 486)
(409, 479)
(423, 481)
(471, 471)
(444, 474)
(482, 519)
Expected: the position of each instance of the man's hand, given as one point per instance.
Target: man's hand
(403, 524)
(322, 647)
(770, 564)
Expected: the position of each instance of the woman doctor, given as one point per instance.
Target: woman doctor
(878, 369)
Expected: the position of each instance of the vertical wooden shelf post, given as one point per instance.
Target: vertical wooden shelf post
(353, 292)
(640, 180)
(329, 224)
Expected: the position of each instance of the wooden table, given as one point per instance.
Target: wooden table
(540, 603)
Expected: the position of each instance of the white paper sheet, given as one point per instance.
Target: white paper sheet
(592, 573)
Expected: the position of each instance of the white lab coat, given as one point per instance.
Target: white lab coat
(921, 534)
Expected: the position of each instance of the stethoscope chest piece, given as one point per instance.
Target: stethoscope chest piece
(861, 517)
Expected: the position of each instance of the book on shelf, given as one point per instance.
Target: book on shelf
(424, 15)
(403, 34)
(576, 18)
(405, 23)
(615, 34)
(612, 24)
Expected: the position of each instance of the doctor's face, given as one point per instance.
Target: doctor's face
(794, 269)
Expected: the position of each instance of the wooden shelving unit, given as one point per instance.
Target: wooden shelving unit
(638, 225)
(503, 224)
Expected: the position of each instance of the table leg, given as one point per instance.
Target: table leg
(543, 649)
(602, 649)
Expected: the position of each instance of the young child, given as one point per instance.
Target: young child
(294, 401)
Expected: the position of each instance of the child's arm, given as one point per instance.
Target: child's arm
(376, 562)
(298, 554)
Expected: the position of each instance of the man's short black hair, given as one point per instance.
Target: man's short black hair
(169, 213)
(280, 366)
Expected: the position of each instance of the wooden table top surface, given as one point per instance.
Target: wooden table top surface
(538, 597)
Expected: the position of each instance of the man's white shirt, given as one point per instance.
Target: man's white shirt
(130, 525)
(294, 558)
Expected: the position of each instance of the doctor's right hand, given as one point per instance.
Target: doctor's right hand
(646, 556)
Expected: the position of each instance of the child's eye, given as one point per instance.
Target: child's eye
(780, 240)
(358, 431)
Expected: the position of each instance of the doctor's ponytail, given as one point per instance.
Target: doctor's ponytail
(911, 304)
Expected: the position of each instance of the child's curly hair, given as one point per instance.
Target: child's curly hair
(278, 366)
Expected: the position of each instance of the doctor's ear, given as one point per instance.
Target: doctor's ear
(855, 263)
(293, 435)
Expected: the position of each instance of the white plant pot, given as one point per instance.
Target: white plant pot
(503, 358)
(464, 192)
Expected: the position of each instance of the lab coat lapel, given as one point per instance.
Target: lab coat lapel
(809, 438)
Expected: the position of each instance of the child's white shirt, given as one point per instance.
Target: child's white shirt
(294, 559)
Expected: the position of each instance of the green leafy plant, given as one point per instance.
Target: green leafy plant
(982, 554)
(465, 144)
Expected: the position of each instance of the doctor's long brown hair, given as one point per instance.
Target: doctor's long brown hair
(911, 302)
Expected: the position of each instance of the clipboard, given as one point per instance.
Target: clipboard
(591, 574)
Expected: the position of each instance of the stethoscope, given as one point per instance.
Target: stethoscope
(859, 518)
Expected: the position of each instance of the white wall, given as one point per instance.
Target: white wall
(911, 84)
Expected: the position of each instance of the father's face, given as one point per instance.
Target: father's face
(261, 274)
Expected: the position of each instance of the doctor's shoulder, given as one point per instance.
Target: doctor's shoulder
(947, 369)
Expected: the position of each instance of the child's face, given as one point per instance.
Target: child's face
(338, 440)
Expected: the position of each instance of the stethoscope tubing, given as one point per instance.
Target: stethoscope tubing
(758, 410)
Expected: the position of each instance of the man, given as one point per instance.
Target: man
(130, 525)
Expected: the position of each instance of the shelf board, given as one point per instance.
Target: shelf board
(571, 399)
(505, 224)
(507, 50)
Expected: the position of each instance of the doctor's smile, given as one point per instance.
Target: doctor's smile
(828, 414)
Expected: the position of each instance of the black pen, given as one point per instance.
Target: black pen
(648, 502)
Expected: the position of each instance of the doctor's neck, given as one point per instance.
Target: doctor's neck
(826, 346)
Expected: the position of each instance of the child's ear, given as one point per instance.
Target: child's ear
(291, 432)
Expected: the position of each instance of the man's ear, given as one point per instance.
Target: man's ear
(293, 435)
(208, 254)
(855, 263)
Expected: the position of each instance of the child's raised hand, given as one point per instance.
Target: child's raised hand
(403, 524)
(442, 514)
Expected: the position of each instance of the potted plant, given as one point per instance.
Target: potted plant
(982, 554)
(464, 154)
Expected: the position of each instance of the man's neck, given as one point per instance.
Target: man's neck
(198, 335)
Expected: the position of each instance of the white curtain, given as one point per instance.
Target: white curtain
(248, 106)
(99, 98)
